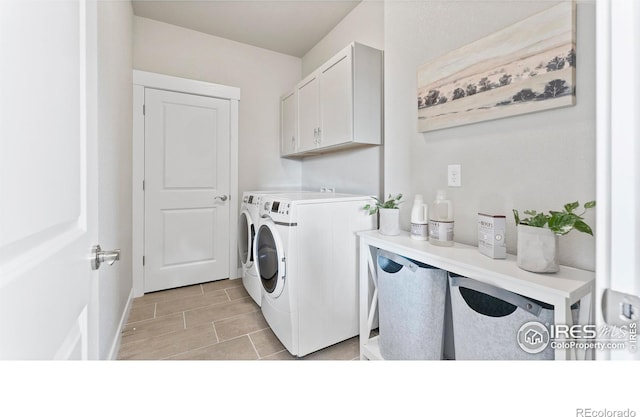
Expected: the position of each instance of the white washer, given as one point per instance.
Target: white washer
(248, 223)
(306, 258)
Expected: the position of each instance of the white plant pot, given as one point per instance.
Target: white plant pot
(537, 249)
(389, 221)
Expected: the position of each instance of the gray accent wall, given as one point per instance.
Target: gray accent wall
(535, 161)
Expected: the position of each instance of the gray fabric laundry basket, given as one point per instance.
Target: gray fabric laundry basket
(486, 320)
(411, 297)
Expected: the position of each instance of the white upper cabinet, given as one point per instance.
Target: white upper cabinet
(289, 123)
(336, 101)
(338, 106)
(308, 113)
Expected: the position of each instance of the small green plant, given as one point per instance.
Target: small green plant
(560, 222)
(391, 203)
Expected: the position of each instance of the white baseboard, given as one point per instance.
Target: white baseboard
(115, 345)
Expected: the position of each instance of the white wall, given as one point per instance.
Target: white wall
(261, 75)
(115, 19)
(357, 170)
(536, 161)
(363, 24)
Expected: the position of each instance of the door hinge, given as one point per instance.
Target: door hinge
(144, 112)
(142, 185)
(143, 261)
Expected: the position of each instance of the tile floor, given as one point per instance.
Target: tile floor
(215, 321)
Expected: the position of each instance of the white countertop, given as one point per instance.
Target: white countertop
(569, 283)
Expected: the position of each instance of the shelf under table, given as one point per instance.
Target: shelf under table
(561, 289)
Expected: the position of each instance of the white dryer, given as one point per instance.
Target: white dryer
(248, 223)
(306, 258)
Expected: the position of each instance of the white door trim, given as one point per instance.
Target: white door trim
(142, 80)
(618, 154)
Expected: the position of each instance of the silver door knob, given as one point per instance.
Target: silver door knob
(98, 257)
(222, 197)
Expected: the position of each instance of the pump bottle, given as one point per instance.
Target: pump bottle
(441, 221)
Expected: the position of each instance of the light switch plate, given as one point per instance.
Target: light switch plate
(454, 176)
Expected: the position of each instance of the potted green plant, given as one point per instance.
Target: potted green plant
(389, 214)
(538, 235)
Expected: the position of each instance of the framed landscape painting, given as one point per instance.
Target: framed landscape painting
(527, 67)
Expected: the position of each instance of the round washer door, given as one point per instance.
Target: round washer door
(270, 259)
(246, 234)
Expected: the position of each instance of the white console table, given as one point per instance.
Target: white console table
(561, 289)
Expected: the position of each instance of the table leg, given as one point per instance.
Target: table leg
(562, 316)
(364, 296)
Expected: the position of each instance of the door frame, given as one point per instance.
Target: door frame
(142, 80)
(618, 232)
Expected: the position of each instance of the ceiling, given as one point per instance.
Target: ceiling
(291, 27)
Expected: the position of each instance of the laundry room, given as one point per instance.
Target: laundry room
(281, 180)
(499, 167)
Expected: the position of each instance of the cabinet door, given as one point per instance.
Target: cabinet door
(289, 124)
(336, 101)
(308, 114)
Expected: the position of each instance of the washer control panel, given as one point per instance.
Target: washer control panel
(275, 206)
(251, 200)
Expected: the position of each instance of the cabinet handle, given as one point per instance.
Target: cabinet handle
(319, 136)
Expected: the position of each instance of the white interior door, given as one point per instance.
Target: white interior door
(48, 178)
(618, 233)
(187, 145)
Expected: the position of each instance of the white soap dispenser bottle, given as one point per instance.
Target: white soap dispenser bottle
(419, 219)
